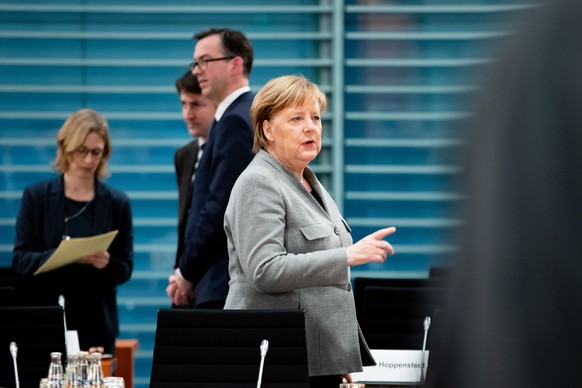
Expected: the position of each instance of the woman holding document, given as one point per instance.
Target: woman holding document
(76, 204)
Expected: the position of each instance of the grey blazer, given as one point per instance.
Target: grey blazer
(287, 252)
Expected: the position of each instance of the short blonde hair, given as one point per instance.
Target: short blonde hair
(278, 94)
(74, 132)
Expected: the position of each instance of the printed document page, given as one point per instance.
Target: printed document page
(71, 250)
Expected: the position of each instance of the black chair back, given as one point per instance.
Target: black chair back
(220, 348)
(361, 283)
(37, 331)
(393, 317)
(7, 296)
(8, 277)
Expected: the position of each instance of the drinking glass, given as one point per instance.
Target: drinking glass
(113, 382)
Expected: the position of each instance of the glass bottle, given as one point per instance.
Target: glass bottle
(71, 371)
(55, 372)
(83, 370)
(95, 371)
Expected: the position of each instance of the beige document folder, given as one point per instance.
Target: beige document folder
(71, 250)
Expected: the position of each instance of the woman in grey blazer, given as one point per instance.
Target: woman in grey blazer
(289, 246)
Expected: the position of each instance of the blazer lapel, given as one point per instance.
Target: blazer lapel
(212, 131)
(57, 210)
(186, 175)
(316, 186)
(101, 209)
(292, 179)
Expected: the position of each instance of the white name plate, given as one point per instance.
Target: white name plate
(73, 342)
(394, 366)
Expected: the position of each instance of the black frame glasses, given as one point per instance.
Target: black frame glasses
(202, 63)
(83, 151)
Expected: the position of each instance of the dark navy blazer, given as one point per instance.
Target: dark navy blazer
(184, 160)
(226, 154)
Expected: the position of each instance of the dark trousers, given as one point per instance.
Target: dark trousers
(215, 305)
(332, 381)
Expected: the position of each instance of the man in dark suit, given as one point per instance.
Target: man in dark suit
(223, 60)
(198, 114)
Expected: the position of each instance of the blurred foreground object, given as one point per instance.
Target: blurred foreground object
(516, 288)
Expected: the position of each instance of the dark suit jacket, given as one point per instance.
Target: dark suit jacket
(184, 160)
(90, 294)
(227, 153)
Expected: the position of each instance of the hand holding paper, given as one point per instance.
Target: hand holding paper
(72, 250)
(98, 260)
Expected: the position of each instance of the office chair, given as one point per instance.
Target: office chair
(37, 331)
(220, 348)
(393, 317)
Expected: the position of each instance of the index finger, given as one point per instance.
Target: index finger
(381, 233)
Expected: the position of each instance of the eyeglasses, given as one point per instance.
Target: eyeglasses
(83, 151)
(202, 63)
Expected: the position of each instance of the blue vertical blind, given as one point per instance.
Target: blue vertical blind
(410, 72)
(398, 74)
(122, 58)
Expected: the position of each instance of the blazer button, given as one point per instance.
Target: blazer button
(336, 231)
(349, 287)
